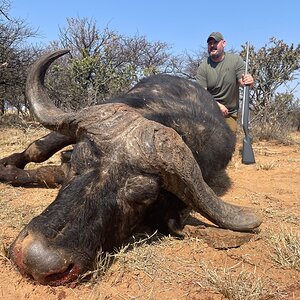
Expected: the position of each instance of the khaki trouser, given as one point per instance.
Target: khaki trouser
(231, 121)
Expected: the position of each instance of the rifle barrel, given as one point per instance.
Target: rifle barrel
(247, 152)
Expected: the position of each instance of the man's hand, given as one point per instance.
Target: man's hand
(223, 109)
(247, 79)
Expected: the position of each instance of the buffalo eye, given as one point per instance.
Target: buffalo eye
(85, 157)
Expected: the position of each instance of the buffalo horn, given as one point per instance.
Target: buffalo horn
(40, 104)
(182, 176)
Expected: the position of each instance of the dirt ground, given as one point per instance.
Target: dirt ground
(167, 268)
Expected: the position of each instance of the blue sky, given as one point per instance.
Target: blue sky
(184, 25)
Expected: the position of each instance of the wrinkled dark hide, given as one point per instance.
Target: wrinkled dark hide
(144, 158)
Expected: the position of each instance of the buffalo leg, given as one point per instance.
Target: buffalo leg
(49, 176)
(12, 167)
(38, 151)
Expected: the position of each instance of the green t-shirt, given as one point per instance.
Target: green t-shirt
(221, 79)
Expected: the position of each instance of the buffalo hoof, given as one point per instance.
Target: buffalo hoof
(9, 173)
(16, 159)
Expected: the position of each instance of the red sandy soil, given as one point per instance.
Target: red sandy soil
(170, 268)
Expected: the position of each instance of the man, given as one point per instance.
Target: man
(221, 74)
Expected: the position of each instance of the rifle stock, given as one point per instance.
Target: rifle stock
(247, 152)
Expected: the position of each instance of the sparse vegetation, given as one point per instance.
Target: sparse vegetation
(3, 251)
(270, 165)
(236, 283)
(105, 260)
(157, 267)
(285, 247)
(274, 114)
(103, 63)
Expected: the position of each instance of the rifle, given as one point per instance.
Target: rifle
(247, 153)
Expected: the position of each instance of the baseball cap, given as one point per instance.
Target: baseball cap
(216, 36)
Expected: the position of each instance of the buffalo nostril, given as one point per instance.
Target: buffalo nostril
(40, 259)
(45, 264)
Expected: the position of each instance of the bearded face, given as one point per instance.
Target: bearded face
(215, 48)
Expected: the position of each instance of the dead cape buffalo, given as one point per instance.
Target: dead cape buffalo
(140, 158)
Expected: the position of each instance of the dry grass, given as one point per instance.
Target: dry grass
(236, 283)
(267, 166)
(156, 267)
(285, 247)
(16, 217)
(104, 261)
(281, 215)
(15, 120)
(3, 251)
(153, 259)
(149, 256)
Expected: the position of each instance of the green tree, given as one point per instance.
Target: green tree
(275, 68)
(15, 57)
(102, 64)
